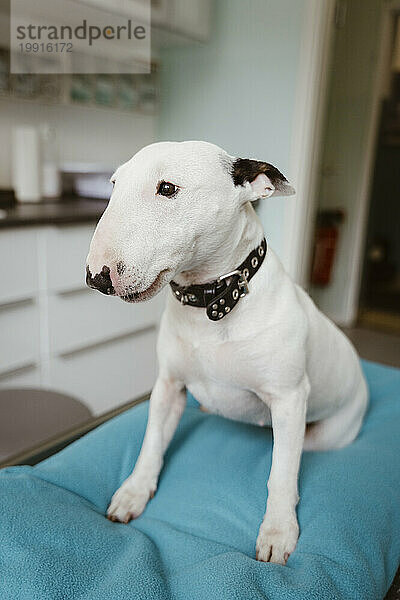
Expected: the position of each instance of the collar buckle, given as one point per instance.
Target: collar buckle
(243, 284)
(230, 274)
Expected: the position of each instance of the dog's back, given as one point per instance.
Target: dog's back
(336, 380)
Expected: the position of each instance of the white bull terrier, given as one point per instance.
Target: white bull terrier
(245, 340)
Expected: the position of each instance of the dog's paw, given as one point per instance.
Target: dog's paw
(130, 500)
(276, 541)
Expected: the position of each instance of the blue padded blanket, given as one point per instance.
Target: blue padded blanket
(196, 539)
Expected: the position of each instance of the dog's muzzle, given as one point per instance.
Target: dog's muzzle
(101, 281)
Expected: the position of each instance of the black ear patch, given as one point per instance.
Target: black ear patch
(245, 169)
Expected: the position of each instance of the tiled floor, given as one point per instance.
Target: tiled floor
(376, 345)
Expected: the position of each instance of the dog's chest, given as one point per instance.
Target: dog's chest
(218, 374)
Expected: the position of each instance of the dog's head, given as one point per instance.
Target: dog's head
(173, 205)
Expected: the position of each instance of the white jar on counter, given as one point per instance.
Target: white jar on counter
(26, 163)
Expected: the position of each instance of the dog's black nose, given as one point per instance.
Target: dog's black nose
(101, 281)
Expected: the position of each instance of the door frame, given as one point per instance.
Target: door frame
(308, 119)
(306, 147)
(362, 197)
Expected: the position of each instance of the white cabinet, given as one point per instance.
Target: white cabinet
(19, 335)
(58, 334)
(160, 13)
(66, 249)
(85, 317)
(108, 375)
(189, 19)
(22, 378)
(18, 265)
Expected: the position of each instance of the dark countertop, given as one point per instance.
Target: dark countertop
(65, 210)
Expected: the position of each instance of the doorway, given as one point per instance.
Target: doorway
(355, 274)
(379, 304)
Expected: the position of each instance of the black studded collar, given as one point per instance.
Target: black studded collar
(220, 296)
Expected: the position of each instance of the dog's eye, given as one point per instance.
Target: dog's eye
(167, 189)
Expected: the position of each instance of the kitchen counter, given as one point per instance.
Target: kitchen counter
(65, 210)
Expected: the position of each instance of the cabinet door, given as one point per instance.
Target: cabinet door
(19, 337)
(160, 12)
(86, 317)
(18, 264)
(66, 250)
(21, 378)
(130, 8)
(108, 375)
(191, 18)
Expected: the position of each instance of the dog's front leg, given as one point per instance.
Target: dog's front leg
(167, 404)
(279, 530)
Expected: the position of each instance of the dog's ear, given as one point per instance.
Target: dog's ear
(264, 179)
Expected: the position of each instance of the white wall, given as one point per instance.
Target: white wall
(85, 134)
(239, 91)
(346, 141)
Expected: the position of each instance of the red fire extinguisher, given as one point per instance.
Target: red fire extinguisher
(325, 245)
